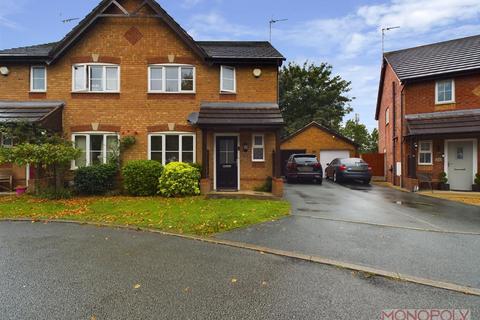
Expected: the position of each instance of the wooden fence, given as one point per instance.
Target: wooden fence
(377, 162)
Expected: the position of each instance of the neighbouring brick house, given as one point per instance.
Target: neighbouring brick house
(428, 113)
(324, 142)
(129, 69)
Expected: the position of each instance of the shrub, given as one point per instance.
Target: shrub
(266, 187)
(477, 179)
(55, 194)
(96, 179)
(179, 179)
(443, 178)
(197, 166)
(140, 177)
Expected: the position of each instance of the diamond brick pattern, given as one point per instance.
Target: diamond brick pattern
(133, 35)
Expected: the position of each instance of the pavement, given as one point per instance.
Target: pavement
(377, 227)
(68, 271)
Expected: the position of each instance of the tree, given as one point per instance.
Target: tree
(358, 132)
(311, 93)
(54, 156)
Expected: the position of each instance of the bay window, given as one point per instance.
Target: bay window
(425, 152)
(258, 148)
(171, 79)
(96, 78)
(227, 79)
(171, 147)
(96, 148)
(6, 141)
(38, 79)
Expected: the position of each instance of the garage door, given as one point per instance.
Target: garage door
(328, 155)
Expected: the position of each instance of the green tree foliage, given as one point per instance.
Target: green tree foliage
(358, 132)
(312, 93)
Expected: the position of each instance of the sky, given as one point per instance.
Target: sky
(343, 33)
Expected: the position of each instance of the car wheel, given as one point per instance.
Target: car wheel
(319, 181)
(335, 177)
(366, 181)
(289, 180)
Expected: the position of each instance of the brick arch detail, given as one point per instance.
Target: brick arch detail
(101, 127)
(165, 127)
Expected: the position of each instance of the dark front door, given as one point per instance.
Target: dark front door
(227, 170)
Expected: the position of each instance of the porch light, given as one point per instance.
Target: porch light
(245, 147)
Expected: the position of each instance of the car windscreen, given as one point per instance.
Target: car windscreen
(353, 162)
(304, 158)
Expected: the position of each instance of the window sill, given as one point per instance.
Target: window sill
(96, 95)
(444, 102)
(176, 93)
(34, 91)
(258, 161)
(228, 92)
(425, 164)
(95, 92)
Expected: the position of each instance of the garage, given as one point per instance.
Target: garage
(326, 156)
(325, 143)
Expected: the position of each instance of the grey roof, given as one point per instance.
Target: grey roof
(240, 114)
(42, 50)
(28, 111)
(240, 49)
(435, 59)
(461, 121)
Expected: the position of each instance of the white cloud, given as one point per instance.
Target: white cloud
(7, 8)
(213, 26)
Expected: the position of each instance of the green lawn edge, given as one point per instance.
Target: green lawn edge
(191, 215)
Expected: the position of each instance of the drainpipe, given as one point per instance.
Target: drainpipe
(402, 122)
(394, 133)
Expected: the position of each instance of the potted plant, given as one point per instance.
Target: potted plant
(20, 190)
(476, 186)
(443, 182)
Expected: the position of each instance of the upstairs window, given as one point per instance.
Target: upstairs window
(96, 78)
(445, 91)
(96, 148)
(425, 150)
(171, 147)
(227, 79)
(38, 79)
(171, 79)
(258, 148)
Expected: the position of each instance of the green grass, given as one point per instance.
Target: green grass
(180, 215)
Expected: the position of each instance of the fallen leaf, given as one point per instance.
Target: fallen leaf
(137, 286)
(234, 280)
(264, 283)
(93, 318)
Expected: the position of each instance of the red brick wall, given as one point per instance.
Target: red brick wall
(387, 132)
(133, 110)
(420, 97)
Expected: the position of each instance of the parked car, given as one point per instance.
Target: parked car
(304, 167)
(349, 169)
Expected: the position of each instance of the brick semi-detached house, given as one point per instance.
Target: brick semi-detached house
(129, 69)
(428, 113)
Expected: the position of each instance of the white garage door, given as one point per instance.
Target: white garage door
(328, 155)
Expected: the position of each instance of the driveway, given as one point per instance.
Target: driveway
(63, 271)
(377, 227)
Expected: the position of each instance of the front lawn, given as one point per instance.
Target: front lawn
(181, 215)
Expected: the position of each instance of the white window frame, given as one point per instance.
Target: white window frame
(180, 144)
(258, 146)
(88, 150)
(222, 89)
(87, 72)
(436, 91)
(164, 78)
(420, 151)
(387, 116)
(44, 80)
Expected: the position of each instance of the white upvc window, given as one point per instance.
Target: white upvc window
(95, 77)
(171, 78)
(387, 116)
(171, 147)
(96, 147)
(38, 79)
(258, 148)
(228, 82)
(444, 91)
(6, 141)
(425, 153)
